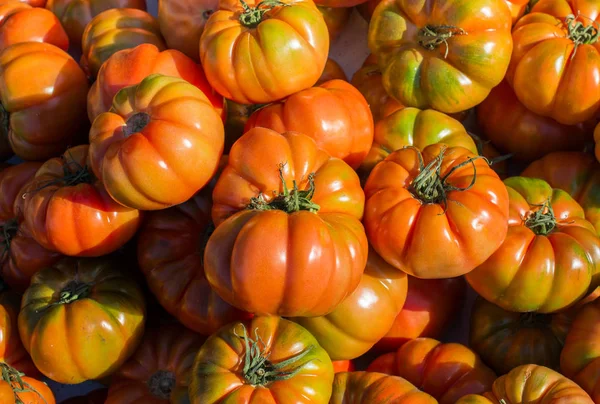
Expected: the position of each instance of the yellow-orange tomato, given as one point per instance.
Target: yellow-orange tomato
(246, 54)
(518, 8)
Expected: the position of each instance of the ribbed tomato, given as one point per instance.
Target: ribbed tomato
(246, 54)
(68, 210)
(336, 19)
(332, 71)
(441, 54)
(12, 351)
(159, 371)
(159, 144)
(551, 254)
(170, 254)
(41, 117)
(376, 301)
(282, 191)
(81, 319)
(17, 388)
(20, 22)
(266, 360)
(334, 113)
(452, 370)
(443, 197)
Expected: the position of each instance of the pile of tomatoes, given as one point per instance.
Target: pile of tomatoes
(203, 208)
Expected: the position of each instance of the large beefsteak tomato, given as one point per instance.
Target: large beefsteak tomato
(289, 240)
(365, 316)
(441, 54)
(335, 114)
(246, 54)
(551, 254)
(159, 144)
(266, 360)
(453, 370)
(114, 30)
(159, 371)
(41, 117)
(81, 319)
(69, 211)
(445, 198)
(17, 388)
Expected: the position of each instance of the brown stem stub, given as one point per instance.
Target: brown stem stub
(136, 123)
(432, 36)
(161, 384)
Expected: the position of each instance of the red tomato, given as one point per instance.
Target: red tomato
(16, 388)
(343, 366)
(446, 371)
(158, 145)
(335, 114)
(372, 387)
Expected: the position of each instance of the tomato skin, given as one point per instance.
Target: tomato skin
(114, 30)
(414, 127)
(235, 256)
(506, 340)
(453, 370)
(27, 390)
(159, 371)
(393, 212)
(95, 397)
(518, 8)
(336, 19)
(531, 384)
(12, 351)
(35, 3)
(431, 305)
(540, 272)
(372, 387)
(343, 366)
(175, 132)
(218, 375)
(170, 257)
(422, 78)
(236, 117)
(182, 22)
(44, 114)
(332, 71)
(60, 335)
(75, 15)
(75, 219)
(334, 113)
(283, 70)
(20, 22)
(528, 136)
(376, 301)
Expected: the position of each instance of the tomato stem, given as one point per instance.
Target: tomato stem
(541, 221)
(74, 291)
(253, 16)
(161, 384)
(136, 123)
(4, 122)
(535, 320)
(15, 378)
(8, 231)
(432, 36)
(580, 34)
(258, 370)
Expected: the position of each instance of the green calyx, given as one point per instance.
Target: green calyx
(432, 36)
(259, 371)
(13, 377)
(288, 201)
(74, 291)
(541, 221)
(581, 34)
(535, 320)
(252, 16)
(4, 122)
(8, 231)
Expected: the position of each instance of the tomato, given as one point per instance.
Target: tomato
(12, 351)
(266, 360)
(20, 22)
(372, 387)
(332, 71)
(443, 197)
(130, 66)
(580, 357)
(158, 145)
(343, 366)
(335, 114)
(367, 8)
(506, 340)
(95, 397)
(17, 388)
(376, 301)
(246, 54)
(307, 212)
(498, 162)
(556, 59)
(114, 30)
(454, 52)
(336, 19)
(453, 370)
(170, 247)
(81, 319)
(431, 305)
(518, 8)
(550, 256)
(528, 136)
(42, 116)
(69, 211)
(35, 3)
(237, 116)
(531, 384)
(575, 173)
(182, 22)
(21, 256)
(414, 127)
(76, 14)
(159, 371)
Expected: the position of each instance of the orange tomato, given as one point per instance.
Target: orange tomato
(343, 366)
(332, 71)
(17, 388)
(518, 8)
(372, 387)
